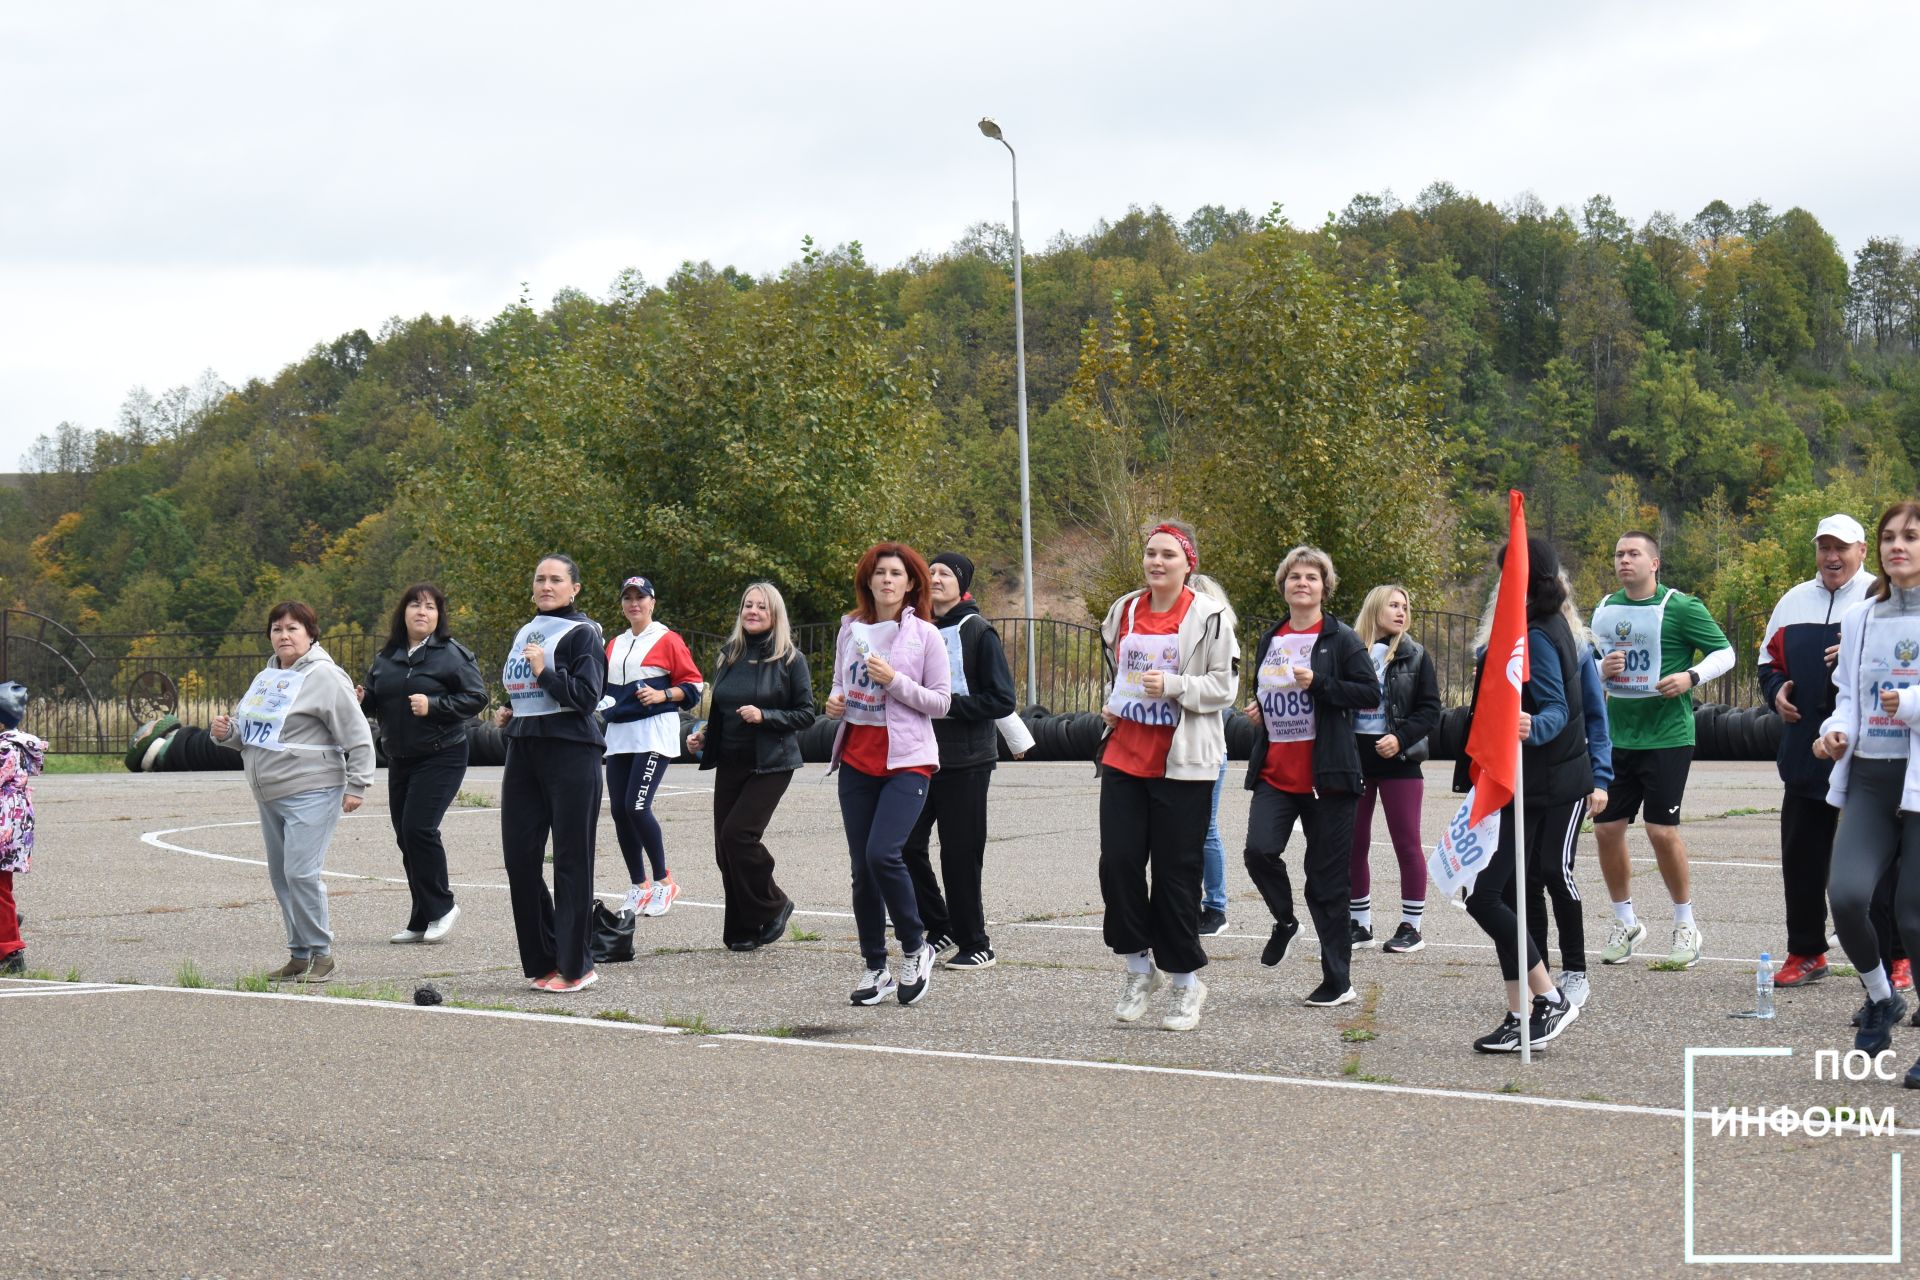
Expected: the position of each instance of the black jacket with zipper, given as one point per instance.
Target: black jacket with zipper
(447, 673)
(1412, 700)
(966, 734)
(784, 693)
(1343, 683)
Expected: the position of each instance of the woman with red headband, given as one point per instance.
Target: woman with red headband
(1175, 663)
(890, 680)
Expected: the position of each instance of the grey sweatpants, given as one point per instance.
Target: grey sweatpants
(1872, 833)
(297, 831)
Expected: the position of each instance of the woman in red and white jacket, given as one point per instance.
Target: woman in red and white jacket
(650, 676)
(890, 681)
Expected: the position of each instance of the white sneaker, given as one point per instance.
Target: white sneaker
(916, 972)
(664, 892)
(1686, 946)
(437, 930)
(408, 935)
(636, 895)
(1575, 987)
(875, 985)
(1133, 995)
(1621, 940)
(1186, 1007)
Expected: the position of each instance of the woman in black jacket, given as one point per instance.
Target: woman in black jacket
(1314, 675)
(423, 687)
(554, 676)
(1393, 742)
(969, 748)
(761, 697)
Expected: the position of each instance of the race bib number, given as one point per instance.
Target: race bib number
(1374, 721)
(1135, 656)
(1284, 705)
(1632, 630)
(1889, 659)
(866, 699)
(263, 711)
(1463, 850)
(524, 693)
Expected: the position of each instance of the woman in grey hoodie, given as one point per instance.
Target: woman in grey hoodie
(309, 756)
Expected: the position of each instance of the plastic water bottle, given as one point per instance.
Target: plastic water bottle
(1763, 987)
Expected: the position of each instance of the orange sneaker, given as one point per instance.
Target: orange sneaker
(664, 892)
(1798, 971)
(1901, 975)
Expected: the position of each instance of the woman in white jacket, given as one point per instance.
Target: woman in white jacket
(1176, 665)
(1876, 777)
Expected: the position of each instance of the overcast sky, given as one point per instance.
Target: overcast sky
(222, 185)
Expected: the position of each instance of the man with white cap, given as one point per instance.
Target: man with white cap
(1796, 678)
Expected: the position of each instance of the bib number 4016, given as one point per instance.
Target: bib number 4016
(1150, 713)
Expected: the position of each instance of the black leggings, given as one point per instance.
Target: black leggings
(1874, 835)
(632, 778)
(1491, 904)
(957, 801)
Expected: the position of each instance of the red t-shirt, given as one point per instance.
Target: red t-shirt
(1289, 765)
(1141, 749)
(865, 748)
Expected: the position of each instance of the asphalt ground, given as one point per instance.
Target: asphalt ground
(732, 1114)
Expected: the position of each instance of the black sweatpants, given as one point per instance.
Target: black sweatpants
(1550, 877)
(743, 805)
(550, 785)
(419, 790)
(1151, 833)
(1327, 821)
(958, 802)
(1491, 903)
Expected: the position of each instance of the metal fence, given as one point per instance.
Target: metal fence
(91, 692)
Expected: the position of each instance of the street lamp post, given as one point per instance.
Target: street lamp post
(992, 130)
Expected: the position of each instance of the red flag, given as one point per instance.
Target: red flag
(1493, 743)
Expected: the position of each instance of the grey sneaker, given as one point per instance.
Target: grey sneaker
(292, 969)
(1620, 941)
(1574, 986)
(1186, 1007)
(319, 970)
(1133, 995)
(1686, 946)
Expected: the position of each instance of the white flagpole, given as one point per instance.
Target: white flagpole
(1520, 896)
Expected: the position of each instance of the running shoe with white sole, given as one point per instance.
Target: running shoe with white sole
(1213, 922)
(567, 986)
(875, 985)
(408, 935)
(1327, 995)
(916, 974)
(977, 958)
(1575, 987)
(1687, 943)
(1134, 993)
(437, 930)
(1621, 939)
(1187, 1002)
(1550, 1018)
(664, 892)
(636, 897)
(1504, 1038)
(1405, 941)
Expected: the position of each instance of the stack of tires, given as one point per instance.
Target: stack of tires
(1736, 733)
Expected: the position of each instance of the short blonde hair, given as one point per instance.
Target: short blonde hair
(1313, 556)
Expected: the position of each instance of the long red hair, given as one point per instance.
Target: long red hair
(919, 596)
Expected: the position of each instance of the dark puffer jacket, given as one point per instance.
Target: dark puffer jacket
(443, 669)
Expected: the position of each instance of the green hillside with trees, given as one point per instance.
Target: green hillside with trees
(1372, 384)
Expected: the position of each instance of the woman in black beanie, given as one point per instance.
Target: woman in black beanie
(969, 747)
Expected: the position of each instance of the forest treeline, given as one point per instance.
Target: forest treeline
(1372, 384)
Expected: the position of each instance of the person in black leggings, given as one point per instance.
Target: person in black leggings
(554, 676)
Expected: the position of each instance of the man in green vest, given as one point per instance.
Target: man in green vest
(1648, 636)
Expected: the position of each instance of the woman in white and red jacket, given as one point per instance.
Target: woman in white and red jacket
(890, 680)
(650, 676)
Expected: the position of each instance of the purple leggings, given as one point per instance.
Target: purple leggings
(1400, 797)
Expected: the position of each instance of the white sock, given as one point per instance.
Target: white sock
(1363, 918)
(1683, 913)
(1878, 985)
(1181, 981)
(1555, 997)
(1623, 912)
(1140, 962)
(1411, 912)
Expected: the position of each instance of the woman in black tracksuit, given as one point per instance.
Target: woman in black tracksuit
(1306, 765)
(969, 748)
(423, 687)
(760, 699)
(554, 676)
(1558, 778)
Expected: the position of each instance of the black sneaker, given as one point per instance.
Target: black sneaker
(1550, 1019)
(977, 958)
(1327, 995)
(1913, 1077)
(1276, 949)
(916, 971)
(1359, 934)
(15, 963)
(1213, 923)
(1504, 1038)
(1877, 1022)
(1405, 940)
(1861, 1013)
(941, 943)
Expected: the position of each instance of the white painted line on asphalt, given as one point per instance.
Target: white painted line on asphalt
(957, 1055)
(69, 989)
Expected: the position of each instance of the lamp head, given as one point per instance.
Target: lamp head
(992, 130)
